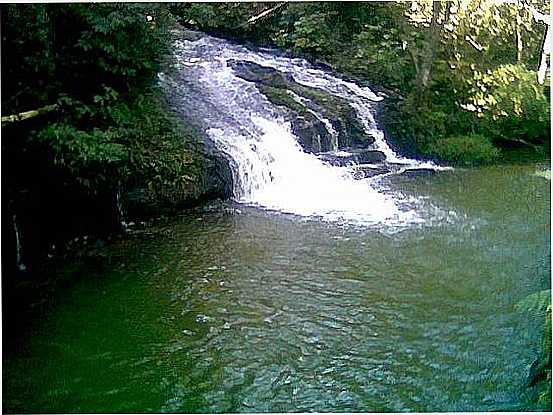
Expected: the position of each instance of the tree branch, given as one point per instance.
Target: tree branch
(28, 114)
(261, 15)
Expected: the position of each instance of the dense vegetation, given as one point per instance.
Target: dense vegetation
(461, 76)
(82, 113)
(87, 119)
(82, 117)
(94, 66)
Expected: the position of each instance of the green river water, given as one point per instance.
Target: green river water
(234, 309)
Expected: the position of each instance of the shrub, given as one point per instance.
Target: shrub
(464, 149)
(511, 105)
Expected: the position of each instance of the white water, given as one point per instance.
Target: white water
(270, 169)
(328, 125)
(18, 256)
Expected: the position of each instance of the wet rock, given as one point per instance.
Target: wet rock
(265, 75)
(363, 171)
(213, 181)
(309, 110)
(340, 159)
(369, 156)
(353, 156)
(418, 172)
(216, 177)
(311, 134)
(191, 35)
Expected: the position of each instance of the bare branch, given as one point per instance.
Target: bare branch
(28, 114)
(254, 19)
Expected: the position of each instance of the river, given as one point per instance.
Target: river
(234, 308)
(308, 292)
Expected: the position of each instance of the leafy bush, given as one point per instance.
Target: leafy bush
(535, 303)
(79, 50)
(161, 150)
(78, 149)
(143, 142)
(98, 61)
(510, 104)
(311, 34)
(538, 305)
(464, 149)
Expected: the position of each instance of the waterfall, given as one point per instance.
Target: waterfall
(328, 125)
(121, 212)
(270, 169)
(18, 250)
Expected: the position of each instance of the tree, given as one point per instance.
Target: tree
(76, 66)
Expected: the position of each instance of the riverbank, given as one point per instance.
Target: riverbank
(169, 168)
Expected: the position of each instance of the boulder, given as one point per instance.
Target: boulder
(364, 171)
(311, 133)
(259, 74)
(353, 156)
(340, 158)
(191, 35)
(213, 181)
(418, 172)
(281, 89)
(368, 156)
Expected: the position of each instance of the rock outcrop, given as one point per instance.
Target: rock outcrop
(322, 122)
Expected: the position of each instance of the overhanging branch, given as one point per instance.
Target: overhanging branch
(254, 19)
(28, 114)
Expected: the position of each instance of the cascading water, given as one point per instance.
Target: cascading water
(270, 169)
(328, 125)
(18, 250)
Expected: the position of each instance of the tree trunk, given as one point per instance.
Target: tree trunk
(518, 33)
(545, 53)
(546, 46)
(265, 13)
(426, 61)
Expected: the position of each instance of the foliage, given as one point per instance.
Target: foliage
(474, 88)
(311, 34)
(159, 146)
(538, 305)
(464, 149)
(545, 395)
(511, 104)
(143, 142)
(97, 62)
(80, 50)
(456, 68)
(535, 303)
(224, 19)
(216, 16)
(79, 150)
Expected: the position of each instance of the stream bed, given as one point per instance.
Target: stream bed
(233, 308)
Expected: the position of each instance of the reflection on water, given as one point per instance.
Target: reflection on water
(233, 309)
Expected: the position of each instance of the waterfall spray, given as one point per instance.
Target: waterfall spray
(270, 169)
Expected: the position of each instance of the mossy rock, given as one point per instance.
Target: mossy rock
(212, 181)
(283, 98)
(305, 106)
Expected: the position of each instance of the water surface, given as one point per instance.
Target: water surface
(236, 309)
